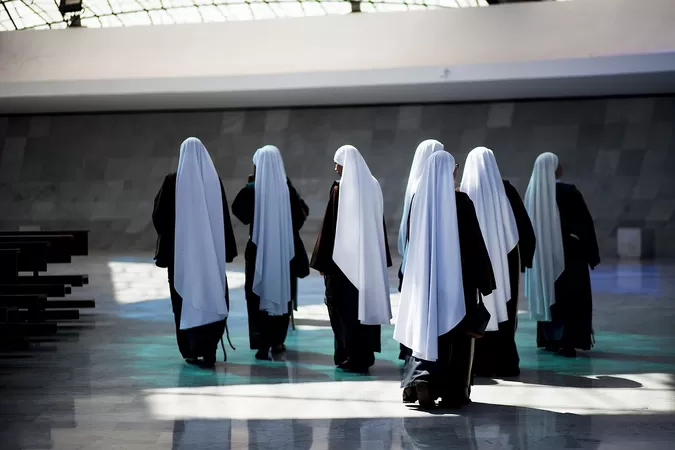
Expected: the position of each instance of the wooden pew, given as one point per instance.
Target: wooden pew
(72, 280)
(25, 307)
(9, 265)
(50, 290)
(80, 242)
(59, 245)
(42, 302)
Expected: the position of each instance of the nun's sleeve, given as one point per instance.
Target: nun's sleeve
(322, 256)
(164, 206)
(244, 204)
(386, 243)
(586, 227)
(478, 258)
(526, 239)
(230, 241)
(299, 209)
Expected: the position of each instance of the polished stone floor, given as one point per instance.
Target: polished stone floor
(114, 380)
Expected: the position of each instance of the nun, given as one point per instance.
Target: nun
(195, 240)
(352, 254)
(510, 241)
(558, 286)
(447, 265)
(424, 150)
(274, 211)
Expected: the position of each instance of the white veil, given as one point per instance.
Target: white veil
(272, 232)
(483, 183)
(549, 258)
(424, 150)
(432, 295)
(359, 249)
(199, 259)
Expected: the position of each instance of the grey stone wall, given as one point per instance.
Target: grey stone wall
(101, 171)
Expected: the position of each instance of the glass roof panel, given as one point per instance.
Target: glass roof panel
(44, 14)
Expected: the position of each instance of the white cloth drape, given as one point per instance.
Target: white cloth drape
(272, 232)
(359, 249)
(424, 150)
(199, 259)
(432, 295)
(549, 257)
(483, 183)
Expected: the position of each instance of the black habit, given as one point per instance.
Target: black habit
(450, 377)
(201, 341)
(354, 341)
(269, 332)
(572, 314)
(496, 352)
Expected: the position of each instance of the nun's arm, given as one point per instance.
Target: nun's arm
(162, 210)
(230, 241)
(242, 206)
(386, 243)
(526, 239)
(481, 266)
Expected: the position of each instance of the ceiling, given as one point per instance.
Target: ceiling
(44, 14)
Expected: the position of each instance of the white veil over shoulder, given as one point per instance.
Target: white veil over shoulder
(432, 295)
(549, 258)
(272, 232)
(424, 150)
(483, 183)
(359, 249)
(199, 259)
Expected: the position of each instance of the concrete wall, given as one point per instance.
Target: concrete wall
(101, 171)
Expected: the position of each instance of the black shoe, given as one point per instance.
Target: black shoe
(424, 397)
(279, 348)
(352, 367)
(192, 361)
(209, 361)
(263, 354)
(409, 395)
(552, 348)
(568, 353)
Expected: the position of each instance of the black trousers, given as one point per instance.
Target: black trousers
(450, 376)
(353, 340)
(201, 341)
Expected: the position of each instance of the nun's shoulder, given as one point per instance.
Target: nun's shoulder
(170, 178)
(510, 189)
(463, 199)
(565, 188)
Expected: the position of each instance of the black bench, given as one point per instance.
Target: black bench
(26, 309)
(59, 246)
(80, 238)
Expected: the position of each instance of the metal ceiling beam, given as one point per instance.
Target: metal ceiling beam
(10, 16)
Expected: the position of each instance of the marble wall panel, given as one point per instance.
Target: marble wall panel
(102, 171)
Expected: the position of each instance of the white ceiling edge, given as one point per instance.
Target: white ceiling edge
(590, 77)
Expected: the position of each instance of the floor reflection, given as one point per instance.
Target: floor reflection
(118, 381)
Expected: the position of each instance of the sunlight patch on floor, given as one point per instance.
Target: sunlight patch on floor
(135, 282)
(370, 399)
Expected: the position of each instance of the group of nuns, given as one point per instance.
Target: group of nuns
(462, 251)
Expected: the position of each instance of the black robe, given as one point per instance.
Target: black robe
(450, 377)
(199, 341)
(572, 314)
(353, 340)
(496, 352)
(267, 331)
